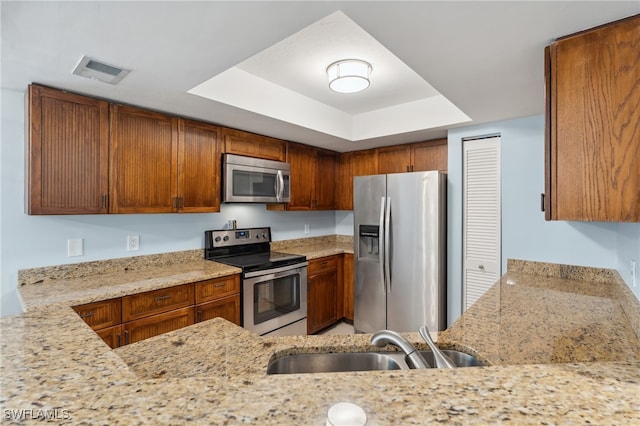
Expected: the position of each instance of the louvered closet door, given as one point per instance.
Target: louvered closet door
(481, 221)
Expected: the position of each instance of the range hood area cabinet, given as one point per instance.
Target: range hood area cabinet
(592, 147)
(88, 156)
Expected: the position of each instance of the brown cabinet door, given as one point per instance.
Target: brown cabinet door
(144, 328)
(303, 174)
(348, 282)
(216, 288)
(67, 158)
(364, 163)
(430, 155)
(144, 157)
(593, 82)
(102, 314)
(253, 145)
(199, 165)
(325, 188)
(344, 179)
(394, 159)
(226, 307)
(112, 336)
(321, 294)
(154, 302)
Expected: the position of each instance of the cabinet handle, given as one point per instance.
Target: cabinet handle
(175, 203)
(412, 167)
(118, 340)
(87, 315)
(218, 285)
(104, 201)
(199, 316)
(159, 298)
(481, 267)
(182, 203)
(542, 202)
(126, 337)
(408, 168)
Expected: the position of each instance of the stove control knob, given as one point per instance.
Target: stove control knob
(226, 238)
(264, 235)
(217, 239)
(258, 236)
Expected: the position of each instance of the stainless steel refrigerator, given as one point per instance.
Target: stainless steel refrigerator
(400, 251)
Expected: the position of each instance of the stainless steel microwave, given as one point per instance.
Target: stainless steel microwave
(254, 180)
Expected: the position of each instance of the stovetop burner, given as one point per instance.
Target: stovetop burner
(248, 249)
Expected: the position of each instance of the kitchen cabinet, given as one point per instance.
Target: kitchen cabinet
(102, 314)
(154, 325)
(592, 172)
(313, 174)
(347, 286)
(350, 164)
(67, 153)
(144, 157)
(253, 145)
(112, 336)
(199, 167)
(322, 284)
(415, 157)
(219, 297)
(142, 305)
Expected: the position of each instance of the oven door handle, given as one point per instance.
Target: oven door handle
(271, 273)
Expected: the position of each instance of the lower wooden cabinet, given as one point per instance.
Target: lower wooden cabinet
(227, 308)
(322, 286)
(139, 316)
(154, 325)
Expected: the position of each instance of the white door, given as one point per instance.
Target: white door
(481, 217)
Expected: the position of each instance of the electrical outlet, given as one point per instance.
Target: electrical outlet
(133, 242)
(306, 229)
(74, 247)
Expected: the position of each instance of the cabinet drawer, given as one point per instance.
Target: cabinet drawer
(144, 328)
(217, 288)
(102, 314)
(227, 308)
(157, 301)
(323, 264)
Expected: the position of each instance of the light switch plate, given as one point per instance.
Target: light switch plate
(75, 247)
(133, 242)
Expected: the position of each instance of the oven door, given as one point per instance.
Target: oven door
(274, 298)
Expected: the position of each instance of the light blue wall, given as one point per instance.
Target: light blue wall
(525, 233)
(33, 241)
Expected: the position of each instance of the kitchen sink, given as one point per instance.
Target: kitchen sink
(329, 362)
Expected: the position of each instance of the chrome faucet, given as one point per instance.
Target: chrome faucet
(440, 358)
(388, 337)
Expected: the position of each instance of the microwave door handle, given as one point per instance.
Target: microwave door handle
(279, 185)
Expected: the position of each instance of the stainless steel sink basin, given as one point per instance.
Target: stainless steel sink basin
(335, 362)
(357, 361)
(460, 359)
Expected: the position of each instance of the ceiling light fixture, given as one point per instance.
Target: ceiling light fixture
(349, 75)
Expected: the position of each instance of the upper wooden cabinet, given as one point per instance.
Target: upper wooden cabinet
(313, 174)
(199, 167)
(162, 164)
(253, 145)
(415, 157)
(67, 153)
(593, 137)
(350, 164)
(144, 161)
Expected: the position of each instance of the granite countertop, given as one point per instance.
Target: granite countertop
(215, 372)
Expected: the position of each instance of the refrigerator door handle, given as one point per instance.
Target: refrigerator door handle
(381, 248)
(387, 246)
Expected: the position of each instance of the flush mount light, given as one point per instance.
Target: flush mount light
(349, 75)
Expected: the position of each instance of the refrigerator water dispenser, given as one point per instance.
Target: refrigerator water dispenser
(369, 243)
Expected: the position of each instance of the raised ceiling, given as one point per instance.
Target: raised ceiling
(484, 57)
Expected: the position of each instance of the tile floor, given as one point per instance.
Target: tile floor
(340, 328)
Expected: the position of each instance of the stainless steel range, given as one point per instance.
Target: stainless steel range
(274, 284)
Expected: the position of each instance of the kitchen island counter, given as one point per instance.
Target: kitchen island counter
(215, 373)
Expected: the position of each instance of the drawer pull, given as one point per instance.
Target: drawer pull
(126, 337)
(199, 316)
(87, 315)
(159, 298)
(118, 340)
(218, 285)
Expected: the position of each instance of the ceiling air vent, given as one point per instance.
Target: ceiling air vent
(96, 70)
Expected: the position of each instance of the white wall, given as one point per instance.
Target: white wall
(33, 241)
(525, 233)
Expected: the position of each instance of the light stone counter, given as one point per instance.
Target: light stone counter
(215, 372)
